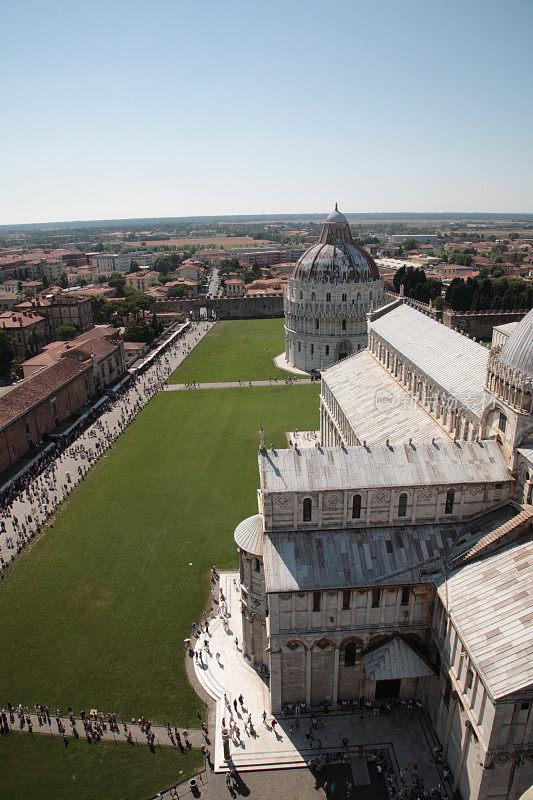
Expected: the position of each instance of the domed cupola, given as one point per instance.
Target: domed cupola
(334, 285)
(336, 257)
(517, 352)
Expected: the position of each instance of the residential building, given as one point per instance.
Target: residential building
(234, 287)
(32, 408)
(142, 280)
(29, 329)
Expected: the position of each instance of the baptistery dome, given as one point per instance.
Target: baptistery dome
(517, 352)
(333, 286)
(336, 257)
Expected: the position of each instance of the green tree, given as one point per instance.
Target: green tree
(67, 331)
(118, 282)
(138, 331)
(411, 243)
(178, 291)
(7, 353)
(63, 281)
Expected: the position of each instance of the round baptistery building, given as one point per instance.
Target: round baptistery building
(333, 286)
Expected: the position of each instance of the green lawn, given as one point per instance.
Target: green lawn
(42, 767)
(235, 349)
(94, 616)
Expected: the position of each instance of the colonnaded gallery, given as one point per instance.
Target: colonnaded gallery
(394, 558)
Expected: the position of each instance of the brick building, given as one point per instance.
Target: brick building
(99, 345)
(37, 405)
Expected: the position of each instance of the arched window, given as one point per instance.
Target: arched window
(300, 295)
(402, 505)
(256, 565)
(344, 276)
(344, 297)
(307, 508)
(312, 349)
(502, 422)
(299, 347)
(344, 324)
(328, 298)
(356, 506)
(327, 349)
(313, 296)
(349, 654)
(450, 497)
(317, 324)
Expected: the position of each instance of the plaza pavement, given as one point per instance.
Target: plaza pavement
(402, 735)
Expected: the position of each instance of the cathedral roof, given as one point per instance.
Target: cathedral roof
(375, 405)
(517, 352)
(381, 466)
(450, 360)
(490, 603)
(336, 257)
(344, 559)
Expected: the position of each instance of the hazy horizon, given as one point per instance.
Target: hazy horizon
(271, 216)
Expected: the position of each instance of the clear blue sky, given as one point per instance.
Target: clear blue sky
(166, 108)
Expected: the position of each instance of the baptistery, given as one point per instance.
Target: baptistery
(333, 286)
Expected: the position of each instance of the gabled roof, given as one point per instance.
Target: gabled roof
(451, 361)
(37, 387)
(442, 463)
(376, 407)
(394, 660)
(489, 601)
(343, 559)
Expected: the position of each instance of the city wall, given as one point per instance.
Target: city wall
(223, 307)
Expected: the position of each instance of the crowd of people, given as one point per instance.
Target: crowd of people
(29, 500)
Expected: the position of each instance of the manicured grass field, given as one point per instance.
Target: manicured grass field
(94, 616)
(235, 349)
(42, 767)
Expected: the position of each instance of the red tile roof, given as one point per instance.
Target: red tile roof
(36, 388)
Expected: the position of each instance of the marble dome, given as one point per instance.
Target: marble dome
(517, 352)
(336, 258)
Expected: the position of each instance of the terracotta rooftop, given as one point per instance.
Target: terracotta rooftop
(37, 387)
(19, 319)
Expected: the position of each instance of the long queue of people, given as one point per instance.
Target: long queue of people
(28, 502)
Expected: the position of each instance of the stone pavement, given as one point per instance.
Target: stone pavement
(402, 735)
(303, 440)
(194, 735)
(182, 387)
(282, 363)
(289, 784)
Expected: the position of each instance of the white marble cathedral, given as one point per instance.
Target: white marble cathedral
(333, 285)
(395, 559)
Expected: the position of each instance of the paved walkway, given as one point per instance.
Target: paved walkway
(282, 363)
(161, 735)
(400, 734)
(182, 387)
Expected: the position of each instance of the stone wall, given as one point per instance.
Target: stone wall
(479, 325)
(224, 307)
(379, 507)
